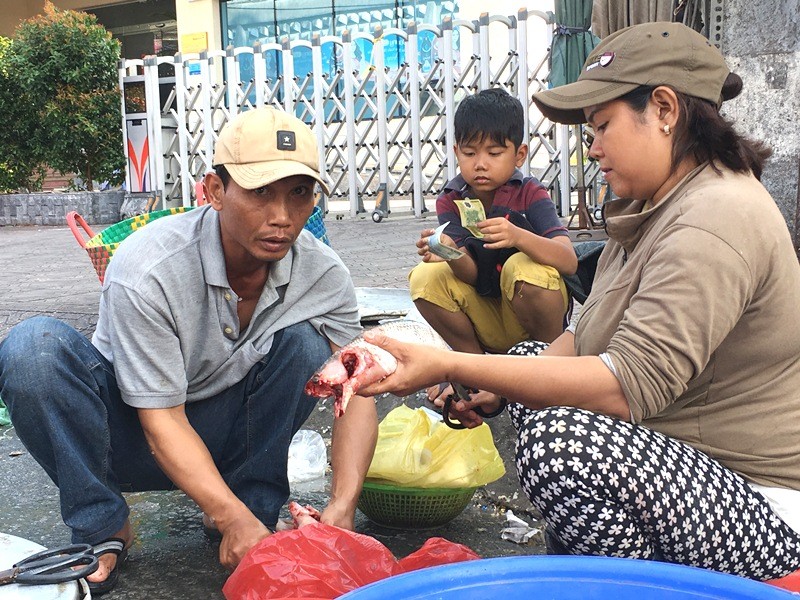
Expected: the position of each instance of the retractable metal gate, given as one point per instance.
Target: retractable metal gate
(385, 132)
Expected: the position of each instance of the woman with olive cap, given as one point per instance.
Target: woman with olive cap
(666, 424)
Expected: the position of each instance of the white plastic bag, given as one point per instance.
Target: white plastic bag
(307, 457)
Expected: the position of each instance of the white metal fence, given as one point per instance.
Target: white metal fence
(385, 133)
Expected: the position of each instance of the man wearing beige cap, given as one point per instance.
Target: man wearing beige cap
(210, 324)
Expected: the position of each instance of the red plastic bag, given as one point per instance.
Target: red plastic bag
(322, 561)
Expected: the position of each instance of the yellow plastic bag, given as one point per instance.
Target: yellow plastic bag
(414, 450)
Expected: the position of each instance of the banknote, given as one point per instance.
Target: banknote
(472, 213)
(442, 250)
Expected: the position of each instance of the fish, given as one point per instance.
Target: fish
(303, 515)
(360, 363)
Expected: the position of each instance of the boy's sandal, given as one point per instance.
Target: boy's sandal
(494, 413)
(460, 392)
(109, 546)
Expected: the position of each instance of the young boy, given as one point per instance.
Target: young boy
(523, 239)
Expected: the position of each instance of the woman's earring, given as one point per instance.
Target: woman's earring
(666, 129)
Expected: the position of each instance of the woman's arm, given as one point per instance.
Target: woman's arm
(533, 381)
(563, 345)
(556, 252)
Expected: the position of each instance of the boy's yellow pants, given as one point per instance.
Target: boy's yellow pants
(496, 326)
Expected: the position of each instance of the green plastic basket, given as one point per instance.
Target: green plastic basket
(412, 508)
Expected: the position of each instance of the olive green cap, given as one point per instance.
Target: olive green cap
(649, 54)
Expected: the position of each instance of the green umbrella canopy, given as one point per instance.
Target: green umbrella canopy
(572, 41)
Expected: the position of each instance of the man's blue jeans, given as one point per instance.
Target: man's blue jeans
(64, 402)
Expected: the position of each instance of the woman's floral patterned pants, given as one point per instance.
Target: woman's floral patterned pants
(609, 488)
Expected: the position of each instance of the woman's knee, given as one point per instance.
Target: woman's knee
(550, 440)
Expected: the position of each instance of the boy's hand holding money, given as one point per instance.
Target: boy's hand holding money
(436, 246)
(424, 250)
(499, 232)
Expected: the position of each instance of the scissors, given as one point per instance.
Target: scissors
(52, 566)
(463, 393)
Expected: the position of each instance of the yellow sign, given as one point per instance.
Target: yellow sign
(194, 42)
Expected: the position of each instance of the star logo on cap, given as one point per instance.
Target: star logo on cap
(286, 140)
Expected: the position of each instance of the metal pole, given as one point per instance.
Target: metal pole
(154, 126)
(350, 129)
(380, 104)
(231, 67)
(208, 118)
(319, 113)
(121, 76)
(288, 76)
(564, 176)
(412, 53)
(449, 97)
(183, 135)
(484, 51)
(522, 81)
(275, 20)
(583, 222)
(259, 73)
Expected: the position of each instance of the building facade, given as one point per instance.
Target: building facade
(164, 27)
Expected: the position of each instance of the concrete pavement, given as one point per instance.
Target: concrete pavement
(44, 271)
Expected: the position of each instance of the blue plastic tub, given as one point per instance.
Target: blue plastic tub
(566, 578)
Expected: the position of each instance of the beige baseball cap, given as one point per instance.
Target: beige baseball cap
(262, 145)
(649, 54)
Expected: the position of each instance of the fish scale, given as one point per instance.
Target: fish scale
(402, 330)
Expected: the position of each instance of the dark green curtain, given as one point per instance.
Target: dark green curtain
(572, 41)
(609, 16)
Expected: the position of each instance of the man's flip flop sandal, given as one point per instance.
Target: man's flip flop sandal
(109, 546)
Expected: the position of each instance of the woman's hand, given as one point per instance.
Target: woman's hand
(499, 232)
(462, 410)
(418, 366)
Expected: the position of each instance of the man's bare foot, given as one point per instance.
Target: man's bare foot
(108, 561)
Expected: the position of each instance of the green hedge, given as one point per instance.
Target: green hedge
(64, 65)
